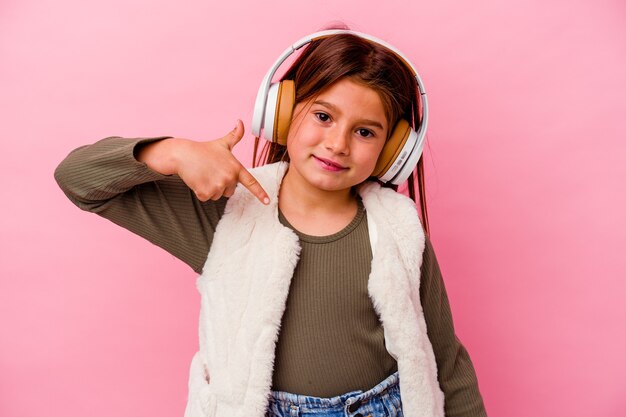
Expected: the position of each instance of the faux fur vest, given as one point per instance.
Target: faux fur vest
(244, 287)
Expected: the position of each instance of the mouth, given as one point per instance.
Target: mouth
(328, 164)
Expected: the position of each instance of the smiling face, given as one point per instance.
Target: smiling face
(336, 137)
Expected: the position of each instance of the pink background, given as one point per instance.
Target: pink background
(526, 166)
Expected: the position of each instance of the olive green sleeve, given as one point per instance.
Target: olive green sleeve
(105, 178)
(456, 374)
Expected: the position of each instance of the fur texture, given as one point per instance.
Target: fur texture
(244, 288)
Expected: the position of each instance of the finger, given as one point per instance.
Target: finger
(247, 180)
(202, 196)
(229, 191)
(235, 135)
(205, 194)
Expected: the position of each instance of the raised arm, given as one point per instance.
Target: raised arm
(105, 178)
(456, 374)
(170, 191)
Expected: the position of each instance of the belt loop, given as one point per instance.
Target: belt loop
(294, 410)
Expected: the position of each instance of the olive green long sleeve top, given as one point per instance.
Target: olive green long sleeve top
(105, 178)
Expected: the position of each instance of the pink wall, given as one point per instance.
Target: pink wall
(526, 166)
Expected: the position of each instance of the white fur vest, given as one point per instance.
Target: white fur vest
(244, 287)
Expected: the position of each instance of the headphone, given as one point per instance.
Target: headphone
(275, 103)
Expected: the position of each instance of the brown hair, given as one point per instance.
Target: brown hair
(327, 60)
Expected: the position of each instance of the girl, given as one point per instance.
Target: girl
(320, 293)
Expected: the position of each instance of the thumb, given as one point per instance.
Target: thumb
(234, 136)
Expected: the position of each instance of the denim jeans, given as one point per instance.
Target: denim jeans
(381, 401)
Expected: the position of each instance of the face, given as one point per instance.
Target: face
(335, 138)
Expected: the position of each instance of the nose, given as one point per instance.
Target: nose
(338, 141)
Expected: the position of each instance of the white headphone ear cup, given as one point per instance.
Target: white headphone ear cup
(258, 113)
(410, 161)
(270, 112)
(401, 151)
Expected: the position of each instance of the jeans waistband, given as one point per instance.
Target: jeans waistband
(287, 398)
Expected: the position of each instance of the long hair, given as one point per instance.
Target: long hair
(326, 61)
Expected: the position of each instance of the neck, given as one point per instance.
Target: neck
(315, 211)
(297, 195)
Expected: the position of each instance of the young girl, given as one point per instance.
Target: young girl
(320, 294)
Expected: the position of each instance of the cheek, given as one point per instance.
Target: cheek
(294, 136)
(296, 144)
(366, 161)
(301, 137)
(297, 122)
(373, 153)
(372, 160)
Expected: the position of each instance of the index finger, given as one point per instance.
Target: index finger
(247, 180)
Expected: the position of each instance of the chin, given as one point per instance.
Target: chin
(329, 185)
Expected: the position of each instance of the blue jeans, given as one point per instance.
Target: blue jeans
(381, 401)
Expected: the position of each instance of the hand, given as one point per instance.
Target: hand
(209, 169)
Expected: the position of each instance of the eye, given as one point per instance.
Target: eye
(323, 117)
(365, 133)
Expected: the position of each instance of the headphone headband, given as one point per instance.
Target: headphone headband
(267, 80)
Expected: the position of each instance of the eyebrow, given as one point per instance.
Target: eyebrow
(334, 108)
